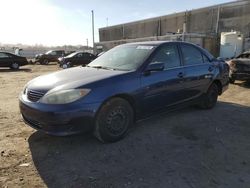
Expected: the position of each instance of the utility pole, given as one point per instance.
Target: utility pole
(93, 30)
(107, 19)
(87, 40)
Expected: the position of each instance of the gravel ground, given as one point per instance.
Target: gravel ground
(189, 148)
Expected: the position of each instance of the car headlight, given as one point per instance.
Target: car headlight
(64, 96)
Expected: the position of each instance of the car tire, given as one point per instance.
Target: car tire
(113, 120)
(209, 100)
(45, 62)
(66, 65)
(15, 66)
(231, 80)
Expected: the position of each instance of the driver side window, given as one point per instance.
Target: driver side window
(52, 53)
(169, 55)
(3, 55)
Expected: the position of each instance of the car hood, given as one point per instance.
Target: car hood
(71, 78)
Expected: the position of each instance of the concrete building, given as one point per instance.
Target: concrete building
(205, 25)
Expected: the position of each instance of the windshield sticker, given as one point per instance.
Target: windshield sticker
(145, 47)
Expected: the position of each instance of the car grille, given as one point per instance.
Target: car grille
(35, 96)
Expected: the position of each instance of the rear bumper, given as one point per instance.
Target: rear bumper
(59, 120)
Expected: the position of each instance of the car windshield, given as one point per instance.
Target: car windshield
(124, 58)
(49, 52)
(73, 54)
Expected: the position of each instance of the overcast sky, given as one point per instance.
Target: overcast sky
(59, 22)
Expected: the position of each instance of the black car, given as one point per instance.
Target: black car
(240, 67)
(50, 56)
(77, 58)
(125, 84)
(11, 60)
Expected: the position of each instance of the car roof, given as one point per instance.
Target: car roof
(158, 43)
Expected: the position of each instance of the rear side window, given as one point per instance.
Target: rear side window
(168, 55)
(191, 55)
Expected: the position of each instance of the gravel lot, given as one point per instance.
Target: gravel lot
(189, 148)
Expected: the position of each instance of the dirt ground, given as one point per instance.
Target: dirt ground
(189, 148)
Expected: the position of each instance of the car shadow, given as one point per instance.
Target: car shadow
(18, 70)
(245, 84)
(185, 148)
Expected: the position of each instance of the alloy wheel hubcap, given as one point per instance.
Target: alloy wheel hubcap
(15, 65)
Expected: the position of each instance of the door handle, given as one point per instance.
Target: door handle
(181, 75)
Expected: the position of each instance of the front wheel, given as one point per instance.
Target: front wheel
(66, 65)
(210, 98)
(14, 66)
(113, 120)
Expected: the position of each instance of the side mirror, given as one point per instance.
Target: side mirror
(158, 66)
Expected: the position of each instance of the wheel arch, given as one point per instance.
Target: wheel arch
(219, 85)
(125, 97)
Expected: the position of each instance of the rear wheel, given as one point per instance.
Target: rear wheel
(14, 66)
(210, 98)
(113, 120)
(45, 62)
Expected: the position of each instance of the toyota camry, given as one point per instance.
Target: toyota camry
(125, 84)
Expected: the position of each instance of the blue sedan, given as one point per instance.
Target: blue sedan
(127, 83)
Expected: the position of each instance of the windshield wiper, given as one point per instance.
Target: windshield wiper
(101, 67)
(106, 68)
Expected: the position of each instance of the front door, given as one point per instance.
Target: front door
(163, 88)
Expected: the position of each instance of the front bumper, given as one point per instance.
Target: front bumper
(59, 120)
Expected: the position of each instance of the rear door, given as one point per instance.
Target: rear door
(5, 60)
(87, 58)
(163, 88)
(198, 71)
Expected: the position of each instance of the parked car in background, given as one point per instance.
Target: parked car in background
(50, 56)
(127, 83)
(240, 67)
(101, 53)
(68, 53)
(11, 60)
(77, 58)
